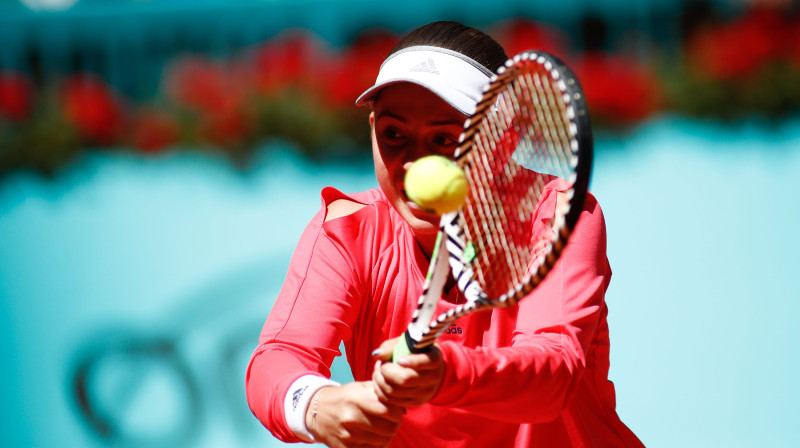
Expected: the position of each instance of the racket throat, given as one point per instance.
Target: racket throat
(416, 346)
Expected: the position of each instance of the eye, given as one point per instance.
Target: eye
(445, 143)
(445, 140)
(392, 135)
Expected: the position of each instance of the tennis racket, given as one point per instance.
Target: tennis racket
(527, 155)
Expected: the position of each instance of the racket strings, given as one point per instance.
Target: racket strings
(519, 149)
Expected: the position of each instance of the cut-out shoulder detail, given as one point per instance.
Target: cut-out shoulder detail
(342, 207)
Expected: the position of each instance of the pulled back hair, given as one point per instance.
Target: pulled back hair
(459, 38)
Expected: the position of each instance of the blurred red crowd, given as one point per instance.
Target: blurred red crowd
(222, 103)
(741, 47)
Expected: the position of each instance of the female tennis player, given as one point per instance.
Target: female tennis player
(526, 376)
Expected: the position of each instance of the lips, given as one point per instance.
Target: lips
(411, 204)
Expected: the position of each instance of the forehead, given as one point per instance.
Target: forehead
(409, 99)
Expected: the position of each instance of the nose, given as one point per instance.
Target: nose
(415, 150)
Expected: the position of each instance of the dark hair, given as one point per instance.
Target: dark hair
(457, 37)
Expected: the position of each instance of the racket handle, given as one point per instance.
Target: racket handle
(405, 346)
(402, 347)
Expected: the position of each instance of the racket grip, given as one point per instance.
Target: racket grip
(405, 346)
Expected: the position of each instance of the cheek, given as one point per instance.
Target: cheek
(383, 172)
(377, 158)
(390, 160)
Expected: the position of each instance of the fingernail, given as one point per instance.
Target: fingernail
(377, 352)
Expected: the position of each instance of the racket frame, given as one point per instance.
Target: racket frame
(449, 249)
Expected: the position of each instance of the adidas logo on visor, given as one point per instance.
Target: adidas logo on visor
(426, 66)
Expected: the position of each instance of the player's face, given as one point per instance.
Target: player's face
(408, 122)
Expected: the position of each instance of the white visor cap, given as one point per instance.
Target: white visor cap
(455, 78)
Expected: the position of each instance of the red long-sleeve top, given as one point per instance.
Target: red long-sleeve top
(527, 376)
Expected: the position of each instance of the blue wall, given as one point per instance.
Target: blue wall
(147, 279)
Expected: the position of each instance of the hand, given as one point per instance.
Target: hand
(352, 416)
(412, 380)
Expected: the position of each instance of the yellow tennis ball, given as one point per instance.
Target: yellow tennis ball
(436, 183)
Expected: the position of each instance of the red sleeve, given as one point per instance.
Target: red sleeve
(311, 316)
(534, 379)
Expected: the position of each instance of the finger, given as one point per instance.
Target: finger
(393, 382)
(400, 386)
(358, 428)
(409, 402)
(365, 436)
(390, 388)
(368, 444)
(378, 408)
(384, 410)
(380, 387)
(373, 428)
(423, 361)
(400, 397)
(404, 397)
(396, 376)
(385, 351)
(368, 430)
(354, 437)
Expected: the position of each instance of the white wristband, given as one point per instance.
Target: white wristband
(296, 402)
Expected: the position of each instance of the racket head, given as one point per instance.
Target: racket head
(527, 153)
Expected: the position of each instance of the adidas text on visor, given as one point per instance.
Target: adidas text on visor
(455, 78)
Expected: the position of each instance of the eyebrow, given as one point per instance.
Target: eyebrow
(446, 122)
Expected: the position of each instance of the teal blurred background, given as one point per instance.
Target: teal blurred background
(149, 202)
